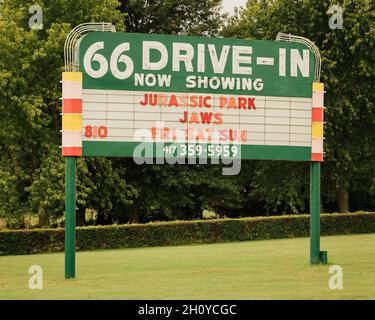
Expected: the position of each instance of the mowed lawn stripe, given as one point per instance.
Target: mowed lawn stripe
(270, 269)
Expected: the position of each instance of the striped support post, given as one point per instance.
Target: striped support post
(317, 118)
(72, 114)
(71, 148)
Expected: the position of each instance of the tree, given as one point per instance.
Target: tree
(32, 170)
(31, 62)
(188, 17)
(348, 74)
(182, 191)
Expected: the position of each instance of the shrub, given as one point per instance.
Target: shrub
(182, 232)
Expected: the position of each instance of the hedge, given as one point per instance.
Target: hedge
(15, 242)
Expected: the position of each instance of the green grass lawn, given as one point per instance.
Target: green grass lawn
(272, 269)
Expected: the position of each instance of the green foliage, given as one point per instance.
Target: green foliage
(282, 186)
(180, 192)
(111, 194)
(32, 170)
(31, 62)
(176, 192)
(278, 187)
(47, 189)
(192, 17)
(182, 232)
(348, 72)
(12, 197)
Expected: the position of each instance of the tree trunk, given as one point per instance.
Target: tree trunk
(134, 212)
(343, 197)
(43, 220)
(134, 217)
(81, 217)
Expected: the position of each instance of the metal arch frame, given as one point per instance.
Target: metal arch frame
(311, 45)
(316, 256)
(75, 35)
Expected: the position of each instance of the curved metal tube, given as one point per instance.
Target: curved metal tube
(75, 35)
(311, 45)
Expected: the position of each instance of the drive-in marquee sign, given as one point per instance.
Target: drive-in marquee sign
(189, 97)
(259, 96)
